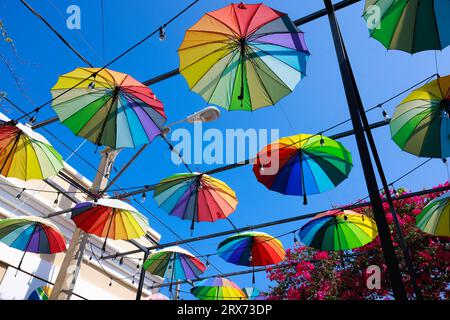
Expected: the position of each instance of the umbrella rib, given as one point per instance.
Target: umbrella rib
(16, 141)
(204, 57)
(274, 57)
(253, 63)
(113, 100)
(256, 40)
(123, 106)
(278, 79)
(228, 42)
(221, 22)
(224, 48)
(253, 17)
(103, 84)
(233, 54)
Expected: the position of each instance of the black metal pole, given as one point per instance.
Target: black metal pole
(141, 278)
(376, 158)
(353, 100)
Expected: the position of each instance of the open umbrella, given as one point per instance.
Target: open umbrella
(110, 218)
(338, 230)
(435, 217)
(31, 234)
(25, 154)
(174, 263)
(41, 293)
(253, 294)
(218, 289)
(196, 197)
(303, 164)
(420, 124)
(108, 108)
(409, 25)
(243, 56)
(251, 249)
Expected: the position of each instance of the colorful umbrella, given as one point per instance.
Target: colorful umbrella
(303, 164)
(251, 249)
(110, 218)
(420, 124)
(218, 289)
(409, 25)
(108, 107)
(253, 294)
(435, 217)
(174, 263)
(195, 196)
(32, 234)
(25, 154)
(41, 293)
(243, 56)
(338, 230)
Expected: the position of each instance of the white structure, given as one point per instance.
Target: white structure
(98, 279)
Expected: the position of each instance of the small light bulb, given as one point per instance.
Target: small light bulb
(91, 85)
(250, 258)
(162, 34)
(144, 197)
(322, 141)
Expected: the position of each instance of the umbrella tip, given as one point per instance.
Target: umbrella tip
(242, 6)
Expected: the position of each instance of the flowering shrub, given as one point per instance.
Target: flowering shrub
(310, 274)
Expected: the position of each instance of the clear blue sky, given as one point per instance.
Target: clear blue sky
(317, 103)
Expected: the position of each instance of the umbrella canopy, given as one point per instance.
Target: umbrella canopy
(409, 25)
(243, 56)
(218, 289)
(420, 124)
(108, 108)
(435, 217)
(251, 249)
(195, 196)
(303, 164)
(25, 154)
(174, 263)
(41, 293)
(32, 234)
(338, 230)
(158, 296)
(253, 294)
(110, 218)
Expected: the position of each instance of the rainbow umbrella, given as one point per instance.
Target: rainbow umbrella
(196, 197)
(338, 230)
(108, 108)
(303, 164)
(243, 56)
(41, 293)
(110, 219)
(31, 234)
(25, 154)
(174, 263)
(218, 289)
(435, 217)
(420, 124)
(251, 249)
(253, 294)
(409, 25)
